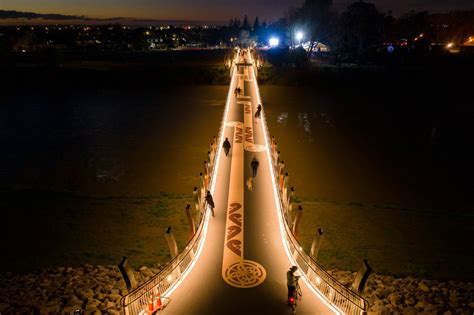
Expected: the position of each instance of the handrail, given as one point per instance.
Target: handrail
(344, 299)
(341, 297)
(136, 301)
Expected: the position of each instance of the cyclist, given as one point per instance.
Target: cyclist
(292, 282)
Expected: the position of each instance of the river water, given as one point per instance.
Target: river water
(112, 142)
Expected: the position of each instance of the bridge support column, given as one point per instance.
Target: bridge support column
(361, 278)
(192, 225)
(214, 144)
(127, 274)
(206, 175)
(284, 187)
(202, 185)
(291, 197)
(316, 245)
(289, 207)
(197, 200)
(171, 241)
(273, 144)
(276, 159)
(173, 247)
(296, 225)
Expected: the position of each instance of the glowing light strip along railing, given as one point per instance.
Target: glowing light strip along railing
(170, 277)
(344, 299)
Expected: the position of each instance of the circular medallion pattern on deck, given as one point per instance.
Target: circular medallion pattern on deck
(245, 274)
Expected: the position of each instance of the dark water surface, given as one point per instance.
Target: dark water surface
(351, 147)
(109, 142)
(113, 142)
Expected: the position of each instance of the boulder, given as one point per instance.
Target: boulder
(115, 291)
(423, 286)
(115, 297)
(4, 307)
(109, 305)
(50, 308)
(101, 296)
(410, 311)
(429, 308)
(92, 305)
(394, 299)
(409, 300)
(69, 309)
(420, 305)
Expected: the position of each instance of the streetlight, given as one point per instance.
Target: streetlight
(299, 36)
(274, 42)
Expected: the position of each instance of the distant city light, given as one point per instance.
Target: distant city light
(274, 42)
(449, 45)
(299, 36)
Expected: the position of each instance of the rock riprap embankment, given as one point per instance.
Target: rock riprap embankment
(411, 296)
(62, 290)
(98, 290)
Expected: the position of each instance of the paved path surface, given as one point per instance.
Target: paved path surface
(250, 217)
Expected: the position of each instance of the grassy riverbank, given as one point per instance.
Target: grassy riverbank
(381, 121)
(42, 229)
(397, 241)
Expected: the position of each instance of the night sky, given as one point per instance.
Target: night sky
(207, 10)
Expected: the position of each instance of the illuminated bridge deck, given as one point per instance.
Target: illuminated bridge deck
(245, 234)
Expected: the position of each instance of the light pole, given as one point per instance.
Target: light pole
(274, 42)
(299, 36)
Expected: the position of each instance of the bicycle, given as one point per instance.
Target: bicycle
(293, 300)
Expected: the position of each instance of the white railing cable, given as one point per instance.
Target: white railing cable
(342, 298)
(168, 279)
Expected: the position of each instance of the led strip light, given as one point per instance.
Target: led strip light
(213, 185)
(280, 219)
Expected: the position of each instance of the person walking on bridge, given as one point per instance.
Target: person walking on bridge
(259, 111)
(254, 165)
(226, 146)
(209, 201)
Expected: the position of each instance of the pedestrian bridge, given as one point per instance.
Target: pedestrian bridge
(236, 262)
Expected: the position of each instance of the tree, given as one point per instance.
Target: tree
(256, 24)
(360, 29)
(236, 23)
(315, 16)
(246, 24)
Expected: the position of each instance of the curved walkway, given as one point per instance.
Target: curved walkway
(243, 263)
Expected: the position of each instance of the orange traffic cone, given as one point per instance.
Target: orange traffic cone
(150, 305)
(158, 304)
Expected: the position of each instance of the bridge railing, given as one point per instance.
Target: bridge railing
(138, 300)
(343, 298)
